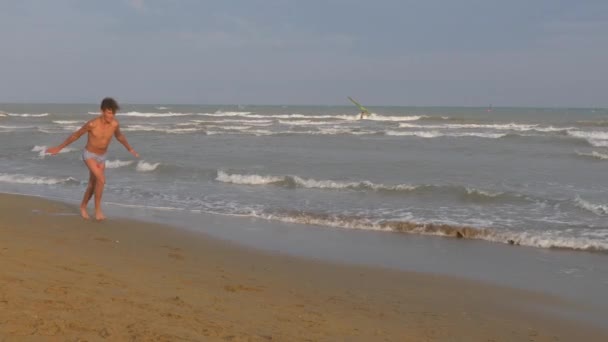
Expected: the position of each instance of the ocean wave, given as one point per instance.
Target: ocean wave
(114, 164)
(594, 155)
(236, 128)
(11, 128)
(538, 239)
(305, 122)
(68, 122)
(240, 121)
(36, 180)
(598, 209)
(148, 115)
(376, 117)
(143, 166)
(286, 116)
(437, 134)
(221, 114)
(594, 138)
(28, 115)
(307, 183)
(153, 128)
(42, 150)
(499, 127)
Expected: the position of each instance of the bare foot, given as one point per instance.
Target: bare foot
(99, 216)
(84, 213)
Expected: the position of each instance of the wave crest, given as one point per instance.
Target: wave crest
(36, 180)
(546, 239)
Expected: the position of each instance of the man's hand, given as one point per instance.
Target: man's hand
(53, 150)
(132, 151)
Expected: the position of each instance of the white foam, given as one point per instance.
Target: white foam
(133, 128)
(221, 114)
(246, 179)
(145, 128)
(26, 179)
(330, 184)
(68, 122)
(148, 115)
(421, 134)
(594, 154)
(144, 206)
(142, 166)
(376, 117)
(285, 116)
(554, 239)
(114, 164)
(305, 122)
(538, 239)
(42, 150)
(598, 209)
(237, 128)
(245, 121)
(253, 179)
(29, 115)
(473, 191)
(436, 134)
(595, 138)
(181, 130)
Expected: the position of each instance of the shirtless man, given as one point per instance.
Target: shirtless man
(100, 130)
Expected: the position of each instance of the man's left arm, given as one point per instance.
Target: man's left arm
(123, 140)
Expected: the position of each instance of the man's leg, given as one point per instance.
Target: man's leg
(87, 196)
(98, 170)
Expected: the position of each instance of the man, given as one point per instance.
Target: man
(100, 131)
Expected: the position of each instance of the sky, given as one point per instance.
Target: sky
(540, 53)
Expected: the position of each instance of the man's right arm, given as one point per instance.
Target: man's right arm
(73, 137)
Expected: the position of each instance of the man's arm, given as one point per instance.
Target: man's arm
(75, 136)
(123, 140)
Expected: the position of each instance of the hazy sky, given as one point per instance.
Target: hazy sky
(392, 52)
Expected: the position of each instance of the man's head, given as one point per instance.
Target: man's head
(109, 106)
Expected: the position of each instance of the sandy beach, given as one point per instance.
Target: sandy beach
(66, 279)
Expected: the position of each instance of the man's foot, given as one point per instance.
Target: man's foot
(99, 216)
(84, 213)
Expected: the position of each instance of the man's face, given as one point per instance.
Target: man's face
(108, 115)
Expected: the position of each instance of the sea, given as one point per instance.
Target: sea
(529, 183)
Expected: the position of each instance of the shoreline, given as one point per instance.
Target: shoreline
(65, 278)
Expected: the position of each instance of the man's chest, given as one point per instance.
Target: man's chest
(103, 132)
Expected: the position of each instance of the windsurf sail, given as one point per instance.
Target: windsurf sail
(361, 108)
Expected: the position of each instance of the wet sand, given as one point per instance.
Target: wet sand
(63, 278)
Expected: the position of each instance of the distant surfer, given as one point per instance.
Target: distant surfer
(100, 131)
(364, 111)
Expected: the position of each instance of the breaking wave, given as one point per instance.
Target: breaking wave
(28, 115)
(544, 239)
(598, 209)
(37, 180)
(142, 166)
(594, 155)
(299, 182)
(114, 164)
(42, 150)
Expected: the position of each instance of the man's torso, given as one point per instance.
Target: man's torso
(100, 135)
